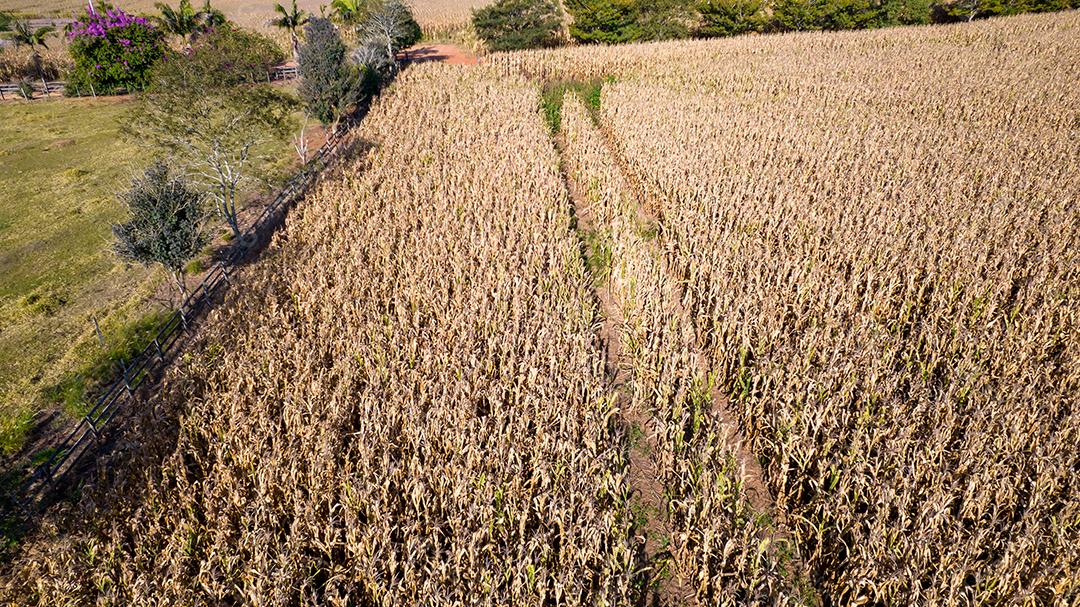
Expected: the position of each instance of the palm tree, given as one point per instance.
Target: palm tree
(24, 36)
(183, 21)
(292, 21)
(349, 11)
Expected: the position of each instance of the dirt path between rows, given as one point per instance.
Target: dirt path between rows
(755, 488)
(644, 473)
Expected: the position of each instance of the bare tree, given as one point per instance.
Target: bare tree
(389, 27)
(211, 122)
(300, 142)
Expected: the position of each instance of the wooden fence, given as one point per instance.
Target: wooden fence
(14, 90)
(148, 364)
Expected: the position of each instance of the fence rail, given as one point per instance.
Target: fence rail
(155, 355)
(40, 86)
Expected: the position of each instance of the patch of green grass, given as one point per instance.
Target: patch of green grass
(13, 427)
(123, 343)
(195, 266)
(598, 254)
(553, 93)
(637, 439)
(63, 163)
(44, 300)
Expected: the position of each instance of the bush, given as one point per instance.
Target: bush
(510, 25)
(603, 21)
(231, 55)
(166, 224)
(113, 51)
(330, 86)
(662, 19)
(729, 17)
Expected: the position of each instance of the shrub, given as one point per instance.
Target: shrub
(729, 17)
(232, 55)
(510, 25)
(603, 21)
(662, 19)
(166, 225)
(330, 85)
(113, 51)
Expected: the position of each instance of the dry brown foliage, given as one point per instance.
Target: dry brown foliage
(401, 406)
(878, 235)
(17, 63)
(869, 240)
(720, 543)
(438, 17)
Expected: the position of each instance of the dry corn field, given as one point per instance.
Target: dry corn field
(785, 320)
(877, 237)
(443, 16)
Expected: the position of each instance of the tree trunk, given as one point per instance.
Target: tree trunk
(181, 283)
(35, 56)
(295, 46)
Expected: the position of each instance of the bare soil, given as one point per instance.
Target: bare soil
(440, 53)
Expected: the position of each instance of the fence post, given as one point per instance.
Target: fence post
(225, 272)
(183, 317)
(160, 353)
(91, 426)
(92, 92)
(127, 380)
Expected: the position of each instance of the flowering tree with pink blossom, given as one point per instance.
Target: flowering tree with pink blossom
(113, 50)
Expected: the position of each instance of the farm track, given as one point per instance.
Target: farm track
(677, 340)
(649, 212)
(755, 489)
(644, 474)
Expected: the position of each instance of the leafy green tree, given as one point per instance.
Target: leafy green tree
(662, 19)
(166, 223)
(903, 12)
(195, 112)
(350, 11)
(729, 17)
(26, 36)
(796, 15)
(848, 14)
(291, 21)
(235, 55)
(330, 86)
(510, 25)
(603, 21)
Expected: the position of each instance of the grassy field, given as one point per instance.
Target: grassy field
(62, 162)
